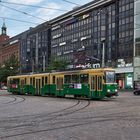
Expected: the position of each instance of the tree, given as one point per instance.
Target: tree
(57, 64)
(10, 67)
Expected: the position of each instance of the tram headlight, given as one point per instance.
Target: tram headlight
(108, 90)
(116, 90)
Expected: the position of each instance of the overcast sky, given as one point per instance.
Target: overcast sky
(16, 27)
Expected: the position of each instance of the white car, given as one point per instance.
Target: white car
(4, 87)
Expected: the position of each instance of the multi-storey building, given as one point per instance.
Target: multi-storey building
(34, 52)
(99, 33)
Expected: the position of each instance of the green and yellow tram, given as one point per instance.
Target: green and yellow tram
(90, 83)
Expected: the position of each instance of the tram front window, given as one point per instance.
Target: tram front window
(110, 77)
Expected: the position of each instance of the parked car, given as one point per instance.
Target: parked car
(4, 87)
(136, 88)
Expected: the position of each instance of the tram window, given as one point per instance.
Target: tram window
(110, 77)
(46, 80)
(67, 79)
(11, 81)
(31, 81)
(75, 79)
(99, 83)
(84, 78)
(92, 82)
(22, 82)
(14, 81)
(53, 79)
(25, 80)
(42, 81)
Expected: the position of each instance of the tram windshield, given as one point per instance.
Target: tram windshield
(110, 77)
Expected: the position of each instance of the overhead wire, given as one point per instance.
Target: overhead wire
(19, 20)
(71, 2)
(35, 6)
(25, 13)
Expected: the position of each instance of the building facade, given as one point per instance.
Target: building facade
(100, 33)
(34, 52)
(8, 46)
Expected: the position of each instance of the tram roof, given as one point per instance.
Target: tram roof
(83, 70)
(63, 72)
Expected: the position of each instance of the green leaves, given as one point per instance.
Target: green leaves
(57, 64)
(9, 68)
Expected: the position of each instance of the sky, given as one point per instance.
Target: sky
(32, 16)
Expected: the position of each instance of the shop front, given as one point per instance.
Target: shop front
(124, 77)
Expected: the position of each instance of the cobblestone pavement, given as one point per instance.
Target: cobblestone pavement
(47, 118)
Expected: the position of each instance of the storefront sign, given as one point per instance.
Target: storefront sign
(85, 16)
(94, 66)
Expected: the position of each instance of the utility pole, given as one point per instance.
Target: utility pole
(44, 61)
(33, 65)
(103, 53)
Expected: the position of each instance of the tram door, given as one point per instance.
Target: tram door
(22, 83)
(59, 83)
(99, 85)
(96, 85)
(38, 86)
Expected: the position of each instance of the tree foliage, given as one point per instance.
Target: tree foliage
(57, 64)
(10, 67)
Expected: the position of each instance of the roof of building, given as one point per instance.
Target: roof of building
(82, 9)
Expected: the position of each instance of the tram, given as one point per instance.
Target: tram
(89, 83)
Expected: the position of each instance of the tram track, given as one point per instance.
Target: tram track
(68, 118)
(11, 101)
(57, 114)
(48, 117)
(54, 114)
(44, 113)
(70, 125)
(112, 115)
(19, 101)
(65, 112)
(16, 100)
